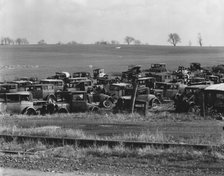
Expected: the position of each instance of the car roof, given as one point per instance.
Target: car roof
(19, 93)
(145, 78)
(202, 86)
(216, 87)
(121, 84)
(58, 80)
(33, 85)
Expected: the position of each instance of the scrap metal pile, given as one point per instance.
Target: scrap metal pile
(196, 89)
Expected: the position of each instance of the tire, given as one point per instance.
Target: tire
(30, 111)
(60, 111)
(38, 111)
(50, 108)
(107, 104)
(94, 109)
(155, 102)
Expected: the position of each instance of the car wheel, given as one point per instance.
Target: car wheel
(107, 104)
(30, 112)
(94, 109)
(155, 102)
(62, 111)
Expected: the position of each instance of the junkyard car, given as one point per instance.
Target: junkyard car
(125, 91)
(58, 84)
(42, 92)
(191, 99)
(76, 101)
(8, 87)
(167, 91)
(214, 98)
(17, 103)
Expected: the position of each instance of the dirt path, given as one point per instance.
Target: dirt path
(24, 172)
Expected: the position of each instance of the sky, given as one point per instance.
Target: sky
(88, 21)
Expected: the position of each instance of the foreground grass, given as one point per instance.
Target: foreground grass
(111, 117)
(144, 136)
(172, 154)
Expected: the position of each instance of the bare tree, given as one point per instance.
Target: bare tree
(174, 38)
(137, 42)
(72, 43)
(199, 39)
(41, 42)
(25, 41)
(102, 42)
(128, 40)
(189, 43)
(18, 41)
(114, 42)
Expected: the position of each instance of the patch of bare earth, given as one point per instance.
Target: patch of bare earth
(115, 165)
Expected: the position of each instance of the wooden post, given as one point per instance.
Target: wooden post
(146, 105)
(133, 98)
(203, 104)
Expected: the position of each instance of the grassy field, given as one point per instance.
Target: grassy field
(43, 61)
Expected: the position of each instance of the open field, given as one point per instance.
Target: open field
(43, 61)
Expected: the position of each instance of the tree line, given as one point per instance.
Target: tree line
(173, 39)
(10, 41)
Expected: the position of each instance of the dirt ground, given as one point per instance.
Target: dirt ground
(112, 165)
(24, 172)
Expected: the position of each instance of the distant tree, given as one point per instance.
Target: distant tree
(174, 38)
(18, 41)
(25, 41)
(199, 39)
(72, 43)
(114, 42)
(137, 42)
(190, 43)
(102, 42)
(41, 42)
(128, 40)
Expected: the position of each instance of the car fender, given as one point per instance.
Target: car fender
(63, 110)
(25, 110)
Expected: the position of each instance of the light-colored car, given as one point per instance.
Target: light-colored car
(17, 103)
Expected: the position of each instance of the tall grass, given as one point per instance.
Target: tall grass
(110, 117)
(144, 136)
(171, 154)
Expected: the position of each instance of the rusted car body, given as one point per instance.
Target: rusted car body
(42, 92)
(191, 99)
(133, 72)
(99, 73)
(81, 75)
(17, 103)
(8, 87)
(158, 68)
(58, 84)
(147, 82)
(76, 101)
(125, 91)
(22, 84)
(198, 81)
(214, 97)
(167, 91)
(79, 84)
